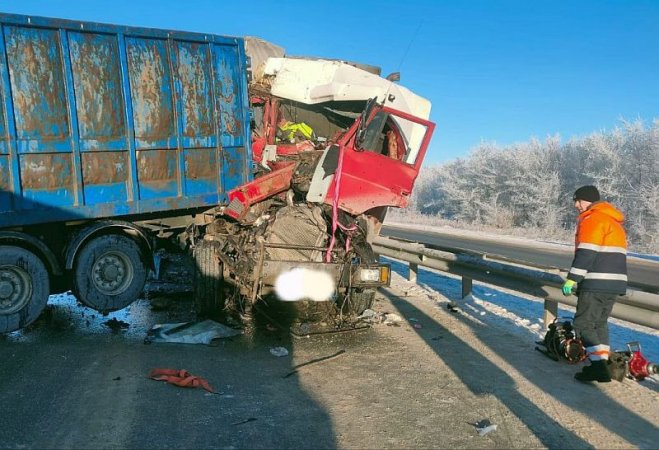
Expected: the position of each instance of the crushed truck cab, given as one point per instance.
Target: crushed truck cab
(334, 145)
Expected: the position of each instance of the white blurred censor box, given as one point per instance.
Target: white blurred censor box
(302, 283)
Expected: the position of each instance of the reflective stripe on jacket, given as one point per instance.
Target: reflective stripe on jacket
(600, 257)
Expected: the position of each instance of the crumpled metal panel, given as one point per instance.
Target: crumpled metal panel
(297, 225)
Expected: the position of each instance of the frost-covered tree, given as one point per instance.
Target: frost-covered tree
(530, 184)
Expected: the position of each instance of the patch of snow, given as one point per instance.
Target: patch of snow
(518, 314)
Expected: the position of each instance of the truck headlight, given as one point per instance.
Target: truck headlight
(377, 275)
(372, 275)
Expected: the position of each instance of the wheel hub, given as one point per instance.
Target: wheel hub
(112, 273)
(15, 289)
(6, 289)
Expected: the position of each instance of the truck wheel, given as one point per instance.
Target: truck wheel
(109, 273)
(208, 279)
(360, 300)
(24, 288)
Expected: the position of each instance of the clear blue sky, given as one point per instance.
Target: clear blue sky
(502, 71)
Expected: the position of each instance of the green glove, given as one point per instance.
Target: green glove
(567, 287)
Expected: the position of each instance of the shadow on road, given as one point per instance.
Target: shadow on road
(488, 379)
(495, 381)
(71, 382)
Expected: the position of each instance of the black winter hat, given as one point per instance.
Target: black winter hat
(588, 193)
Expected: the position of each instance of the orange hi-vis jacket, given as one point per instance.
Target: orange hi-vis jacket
(600, 257)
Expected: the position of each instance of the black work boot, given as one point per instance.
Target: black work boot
(597, 371)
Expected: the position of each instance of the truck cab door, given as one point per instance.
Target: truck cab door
(380, 160)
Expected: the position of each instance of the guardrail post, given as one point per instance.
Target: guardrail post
(550, 313)
(413, 272)
(467, 284)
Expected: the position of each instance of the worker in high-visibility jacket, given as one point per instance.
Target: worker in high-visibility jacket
(598, 274)
(294, 132)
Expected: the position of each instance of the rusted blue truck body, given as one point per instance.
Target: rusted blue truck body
(104, 121)
(106, 133)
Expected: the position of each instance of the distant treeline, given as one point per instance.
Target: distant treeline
(530, 185)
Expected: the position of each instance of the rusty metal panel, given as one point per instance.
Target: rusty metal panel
(47, 179)
(105, 176)
(4, 137)
(156, 170)
(98, 94)
(201, 171)
(150, 82)
(6, 201)
(110, 120)
(5, 177)
(233, 168)
(37, 87)
(228, 94)
(194, 87)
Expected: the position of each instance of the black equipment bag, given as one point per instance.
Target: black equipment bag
(561, 343)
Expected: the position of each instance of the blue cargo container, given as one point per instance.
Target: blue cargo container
(107, 122)
(102, 120)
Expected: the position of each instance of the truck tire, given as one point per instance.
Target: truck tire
(24, 288)
(208, 279)
(359, 301)
(108, 273)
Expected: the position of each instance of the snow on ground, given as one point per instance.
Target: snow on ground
(516, 313)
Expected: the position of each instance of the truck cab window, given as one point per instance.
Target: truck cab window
(381, 136)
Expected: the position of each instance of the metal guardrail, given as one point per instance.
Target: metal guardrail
(637, 307)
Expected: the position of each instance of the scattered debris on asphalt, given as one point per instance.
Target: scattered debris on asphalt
(180, 378)
(279, 351)
(313, 361)
(368, 315)
(251, 419)
(116, 325)
(206, 332)
(392, 319)
(484, 427)
(159, 303)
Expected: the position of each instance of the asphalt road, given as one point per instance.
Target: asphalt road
(641, 271)
(69, 381)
